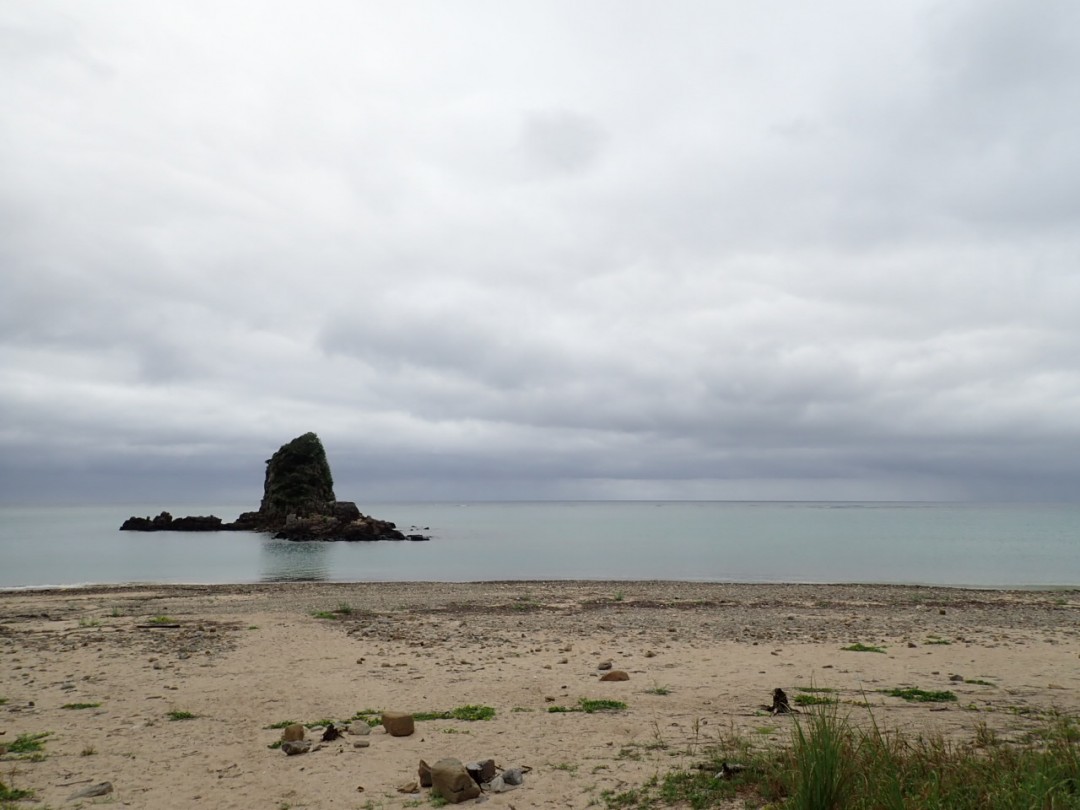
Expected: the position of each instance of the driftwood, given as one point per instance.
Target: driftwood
(331, 733)
(780, 703)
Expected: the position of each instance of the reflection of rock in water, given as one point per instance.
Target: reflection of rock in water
(284, 561)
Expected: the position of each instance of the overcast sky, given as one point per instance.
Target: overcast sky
(541, 250)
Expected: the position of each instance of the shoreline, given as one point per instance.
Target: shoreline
(103, 587)
(701, 659)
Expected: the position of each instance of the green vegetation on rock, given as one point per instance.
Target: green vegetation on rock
(298, 480)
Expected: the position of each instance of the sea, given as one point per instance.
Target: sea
(966, 545)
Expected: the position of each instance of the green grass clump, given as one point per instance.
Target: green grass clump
(920, 695)
(3, 700)
(833, 764)
(324, 614)
(470, 712)
(10, 794)
(28, 743)
(589, 706)
(180, 715)
(942, 641)
(860, 647)
(80, 705)
(162, 620)
(814, 700)
(979, 682)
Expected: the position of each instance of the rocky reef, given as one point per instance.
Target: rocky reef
(298, 503)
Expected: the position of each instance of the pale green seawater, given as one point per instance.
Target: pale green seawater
(981, 545)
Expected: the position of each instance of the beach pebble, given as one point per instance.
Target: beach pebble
(513, 776)
(294, 747)
(361, 743)
(293, 733)
(604, 665)
(398, 724)
(452, 782)
(615, 675)
(101, 789)
(481, 772)
(359, 728)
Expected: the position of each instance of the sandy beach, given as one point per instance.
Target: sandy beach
(101, 670)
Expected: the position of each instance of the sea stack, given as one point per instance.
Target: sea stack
(298, 503)
(298, 481)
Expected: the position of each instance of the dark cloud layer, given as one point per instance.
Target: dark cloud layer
(541, 251)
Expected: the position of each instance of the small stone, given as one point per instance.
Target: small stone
(615, 675)
(294, 747)
(604, 665)
(912, 645)
(363, 742)
(408, 787)
(513, 776)
(956, 678)
(359, 728)
(293, 733)
(452, 782)
(481, 772)
(101, 789)
(424, 772)
(398, 724)
(650, 654)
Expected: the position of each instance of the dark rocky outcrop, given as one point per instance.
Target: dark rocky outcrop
(166, 523)
(298, 503)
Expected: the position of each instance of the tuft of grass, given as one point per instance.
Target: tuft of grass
(814, 700)
(181, 715)
(658, 690)
(589, 706)
(858, 646)
(85, 622)
(343, 608)
(979, 682)
(80, 706)
(920, 695)
(89, 751)
(163, 619)
(10, 794)
(832, 764)
(28, 743)
(470, 713)
(3, 700)
(324, 614)
(821, 749)
(941, 641)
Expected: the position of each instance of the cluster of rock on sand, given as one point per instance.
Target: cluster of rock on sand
(449, 779)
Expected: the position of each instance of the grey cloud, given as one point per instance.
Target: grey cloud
(561, 141)
(714, 252)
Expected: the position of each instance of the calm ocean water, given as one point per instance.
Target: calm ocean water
(943, 544)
